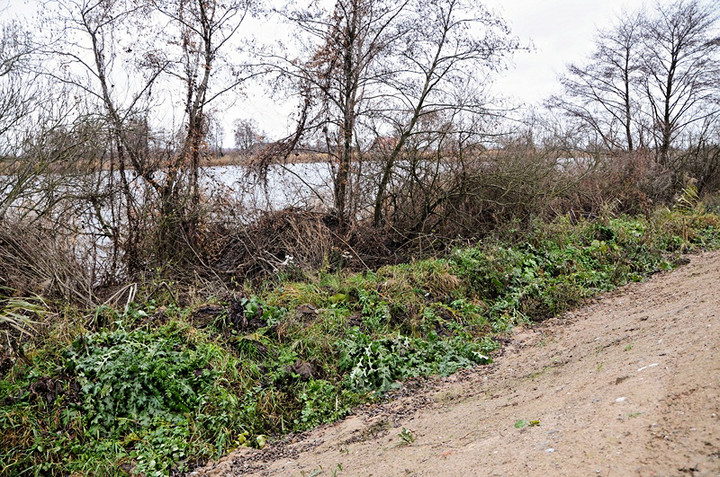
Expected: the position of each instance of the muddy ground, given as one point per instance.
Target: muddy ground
(628, 385)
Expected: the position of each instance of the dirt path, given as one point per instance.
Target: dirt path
(629, 385)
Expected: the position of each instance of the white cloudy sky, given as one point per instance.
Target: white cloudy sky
(561, 30)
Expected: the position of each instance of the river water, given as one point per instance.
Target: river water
(292, 185)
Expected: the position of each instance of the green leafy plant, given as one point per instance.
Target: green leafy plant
(151, 399)
(378, 364)
(323, 402)
(406, 436)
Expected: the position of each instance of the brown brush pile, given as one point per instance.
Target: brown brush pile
(290, 240)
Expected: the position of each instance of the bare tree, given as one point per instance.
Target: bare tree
(204, 29)
(449, 47)
(15, 95)
(681, 68)
(247, 136)
(87, 52)
(125, 77)
(17, 100)
(379, 67)
(652, 81)
(341, 76)
(215, 134)
(603, 93)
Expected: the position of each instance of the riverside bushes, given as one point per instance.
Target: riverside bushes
(159, 389)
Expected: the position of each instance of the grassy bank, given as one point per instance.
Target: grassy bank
(157, 388)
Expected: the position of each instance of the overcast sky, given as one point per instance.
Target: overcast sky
(561, 31)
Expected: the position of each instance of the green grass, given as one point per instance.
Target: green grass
(157, 389)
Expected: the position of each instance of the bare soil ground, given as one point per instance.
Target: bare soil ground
(628, 385)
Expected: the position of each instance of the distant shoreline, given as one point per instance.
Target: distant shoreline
(237, 159)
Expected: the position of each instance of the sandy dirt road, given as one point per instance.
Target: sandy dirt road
(628, 385)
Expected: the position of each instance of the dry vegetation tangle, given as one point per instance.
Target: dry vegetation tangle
(625, 386)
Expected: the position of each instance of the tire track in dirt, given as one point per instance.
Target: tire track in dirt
(628, 385)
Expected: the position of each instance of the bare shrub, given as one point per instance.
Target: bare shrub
(626, 183)
(702, 163)
(470, 197)
(474, 195)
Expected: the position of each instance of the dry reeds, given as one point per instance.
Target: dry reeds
(34, 261)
